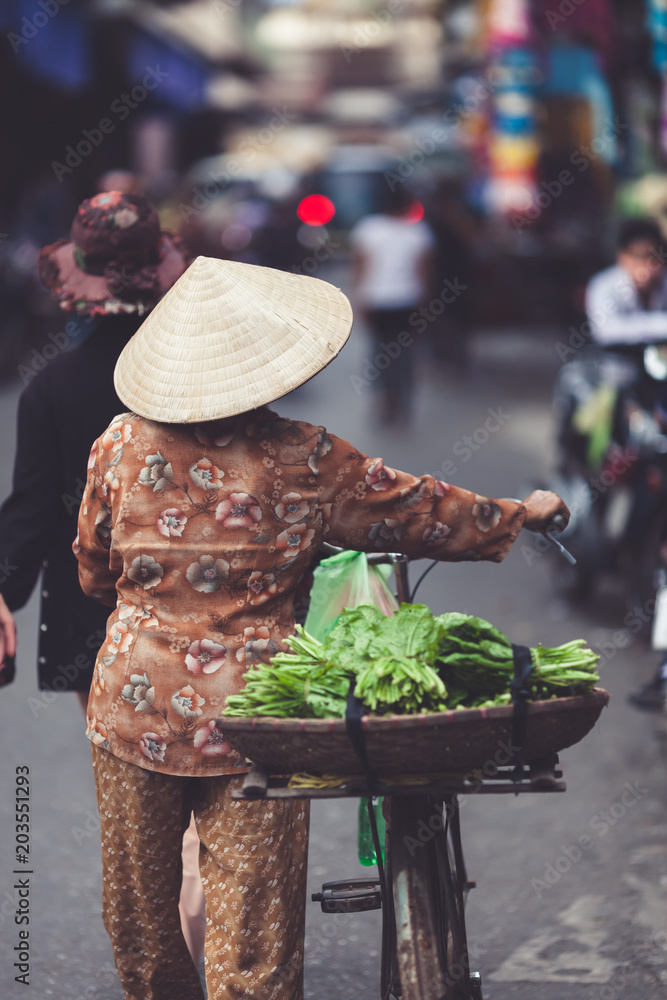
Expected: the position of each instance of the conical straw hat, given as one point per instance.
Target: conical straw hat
(228, 337)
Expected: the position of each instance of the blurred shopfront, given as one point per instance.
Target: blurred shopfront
(522, 126)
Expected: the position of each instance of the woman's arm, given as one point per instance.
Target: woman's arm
(371, 507)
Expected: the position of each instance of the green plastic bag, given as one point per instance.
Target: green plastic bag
(346, 581)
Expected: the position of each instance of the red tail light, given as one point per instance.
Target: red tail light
(316, 210)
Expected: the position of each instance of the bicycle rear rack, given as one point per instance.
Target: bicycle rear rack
(542, 776)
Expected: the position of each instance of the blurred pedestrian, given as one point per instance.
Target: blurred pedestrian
(110, 274)
(199, 518)
(392, 266)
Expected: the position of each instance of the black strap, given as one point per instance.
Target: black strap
(354, 713)
(523, 664)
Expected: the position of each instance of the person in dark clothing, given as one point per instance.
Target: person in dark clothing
(112, 271)
(60, 412)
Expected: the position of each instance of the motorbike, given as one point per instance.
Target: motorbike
(611, 415)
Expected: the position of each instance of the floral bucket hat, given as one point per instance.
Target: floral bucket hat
(230, 337)
(117, 259)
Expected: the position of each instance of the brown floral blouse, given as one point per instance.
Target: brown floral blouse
(197, 536)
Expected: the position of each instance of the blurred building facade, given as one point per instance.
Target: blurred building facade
(534, 114)
(488, 85)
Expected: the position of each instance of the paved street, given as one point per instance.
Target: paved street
(546, 923)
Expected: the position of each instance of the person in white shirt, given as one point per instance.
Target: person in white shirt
(391, 271)
(626, 304)
(627, 307)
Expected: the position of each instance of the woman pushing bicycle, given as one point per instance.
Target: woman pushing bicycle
(202, 511)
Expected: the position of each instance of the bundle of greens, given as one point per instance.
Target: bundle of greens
(410, 662)
(476, 663)
(393, 658)
(302, 684)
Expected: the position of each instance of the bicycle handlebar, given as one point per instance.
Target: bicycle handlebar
(558, 522)
(553, 528)
(374, 558)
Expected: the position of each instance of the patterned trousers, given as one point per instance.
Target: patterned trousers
(252, 858)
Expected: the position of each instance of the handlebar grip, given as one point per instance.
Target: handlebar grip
(557, 523)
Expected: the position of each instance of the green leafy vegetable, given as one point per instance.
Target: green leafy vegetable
(476, 657)
(410, 662)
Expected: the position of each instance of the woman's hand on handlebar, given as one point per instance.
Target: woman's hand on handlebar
(542, 507)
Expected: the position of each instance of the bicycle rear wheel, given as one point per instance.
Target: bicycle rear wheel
(427, 959)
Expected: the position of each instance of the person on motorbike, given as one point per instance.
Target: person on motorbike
(626, 306)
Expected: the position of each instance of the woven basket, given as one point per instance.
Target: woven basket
(433, 742)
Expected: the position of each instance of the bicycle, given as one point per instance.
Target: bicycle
(422, 890)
